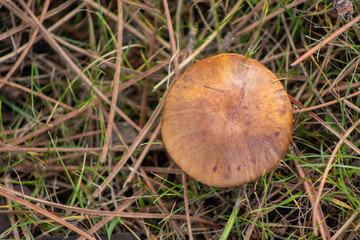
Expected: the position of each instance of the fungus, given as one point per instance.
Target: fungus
(227, 121)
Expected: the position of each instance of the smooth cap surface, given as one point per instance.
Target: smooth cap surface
(227, 121)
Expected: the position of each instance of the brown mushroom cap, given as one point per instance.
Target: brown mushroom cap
(227, 120)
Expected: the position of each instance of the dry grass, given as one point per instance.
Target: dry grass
(81, 92)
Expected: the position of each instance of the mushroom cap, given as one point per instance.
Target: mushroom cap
(227, 121)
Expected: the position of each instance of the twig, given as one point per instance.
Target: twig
(172, 38)
(115, 84)
(107, 219)
(148, 181)
(346, 225)
(95, 212)
(43, 212)
(326, 104)
(327, 126)
(28, 46)
(270, 16)
(326, 41)
(187, 210)
(202, 47)
(50, 39)
(131, 150)
(319, 216)
(75, 112)
(142, 6)
(143, 155)
(330, 162)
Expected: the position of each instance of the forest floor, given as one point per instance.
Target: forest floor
(82, 88)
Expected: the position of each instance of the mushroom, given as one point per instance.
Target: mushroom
(227, 121)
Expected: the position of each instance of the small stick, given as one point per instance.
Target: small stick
(327, 126)
(142, 6)
(345, 225)
(309, 188)
(144, 153)
(326, 104)
(44, 212)
(172, 39)
(202, 47)
(116, 83)
(330, 162)
(187, 210)
(326, 41)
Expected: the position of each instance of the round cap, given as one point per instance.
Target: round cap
(227, 121)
